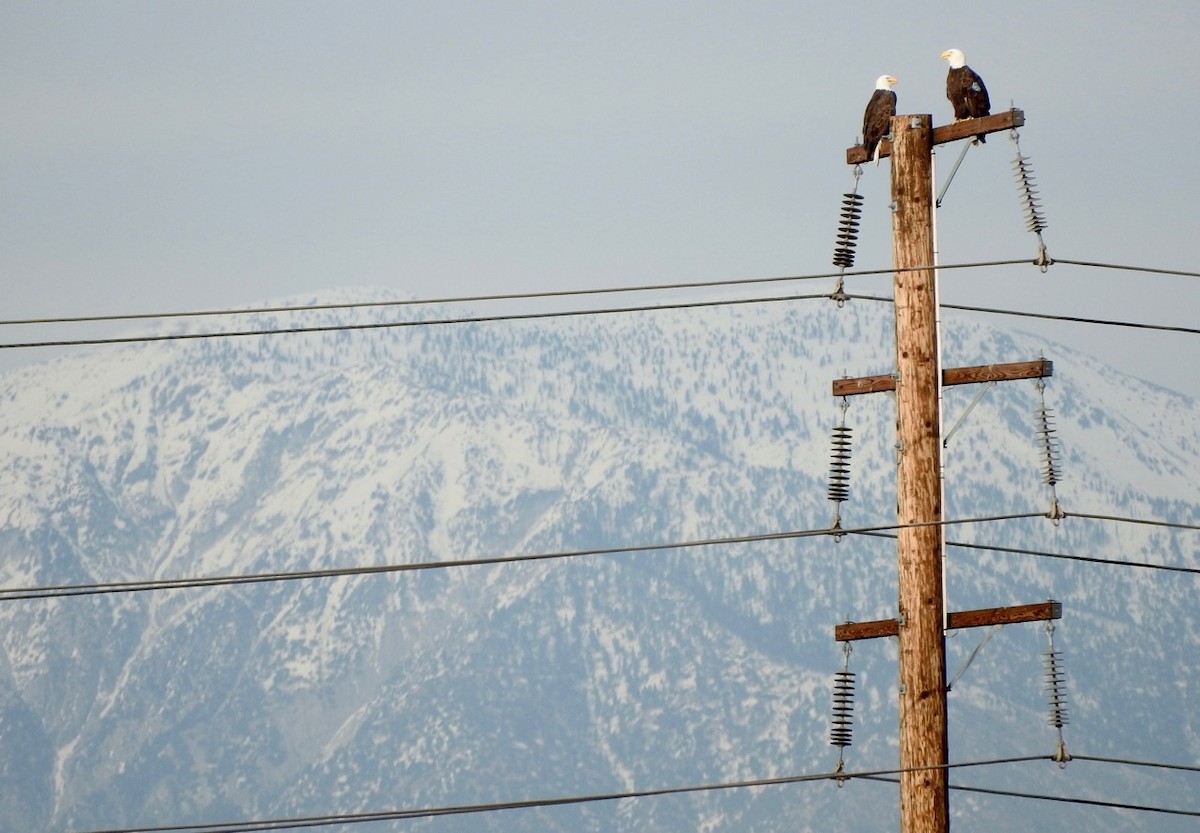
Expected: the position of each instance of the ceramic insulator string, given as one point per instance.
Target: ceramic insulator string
(841, 723)
(1035, 220)
(841, 729)
(847, 236)
(1055, 690)
(839, 466)
(1050, 452)
(1056, 693)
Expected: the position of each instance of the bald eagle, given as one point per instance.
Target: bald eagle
(965, 88)
(877, 120)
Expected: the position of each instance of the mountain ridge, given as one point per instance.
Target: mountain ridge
(585, 674)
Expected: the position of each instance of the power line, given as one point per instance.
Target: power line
(1165, 328)
(469, 809)
(1084, 558)
(1128, 520)
(1123, 267)
(1110, 322)
(1116, 562)
(94, 589)
(882, 531)
(1115, 805)
(386, 325)
(515, 296)
(383, 325)
(80, 342)
(577, 293)
(1128, 762)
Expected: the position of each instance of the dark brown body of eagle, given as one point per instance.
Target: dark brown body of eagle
(877, 118)
(967, 93)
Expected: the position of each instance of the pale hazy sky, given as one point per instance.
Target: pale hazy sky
(177, 155)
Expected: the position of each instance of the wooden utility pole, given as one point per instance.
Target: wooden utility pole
(917, 380)
(924, 801)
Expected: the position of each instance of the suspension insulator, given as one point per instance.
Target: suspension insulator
(1050, 450)
(1035, 221)
(1056, 689)
(841, 726)
(839, 468)
(847, 236)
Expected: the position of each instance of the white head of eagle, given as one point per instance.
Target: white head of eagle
(955, 57)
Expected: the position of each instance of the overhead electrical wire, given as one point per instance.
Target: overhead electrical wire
(575, 293)
(267, 331)
(1115, 562)
(1127, 520)
(514, 296)
(1169, 568)
(1128, 762)
(1091, 802)
(1150, 270)
(134, 586)
(880, 531)
(298, 822)
(389, 325)
(1062, 799)
(469, 809)
(1074, 319)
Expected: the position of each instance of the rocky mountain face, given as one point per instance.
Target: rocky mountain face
(581, 675)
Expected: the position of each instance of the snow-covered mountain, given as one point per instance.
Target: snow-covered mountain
(583, 675)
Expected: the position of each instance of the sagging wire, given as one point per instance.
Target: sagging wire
(1057, 695)
(1035, 221)
(1051, 453)
(847, 237)
(839, 468)
(841, 727)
